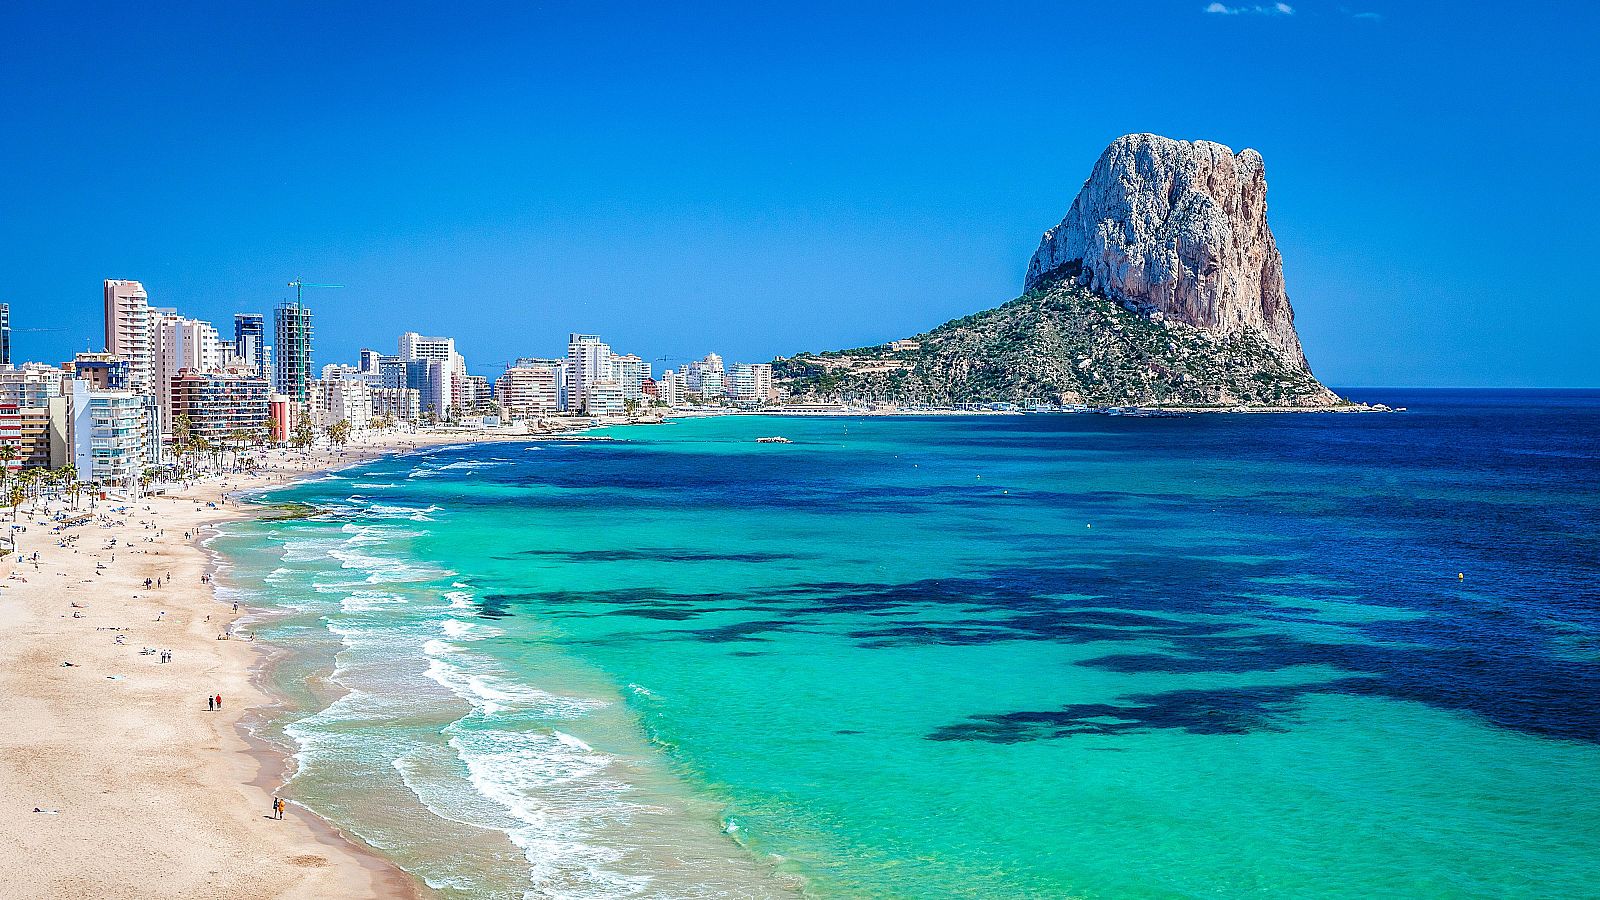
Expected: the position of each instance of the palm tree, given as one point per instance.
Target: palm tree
(182, 437)
(242, 438)
(32, 483)
(69, 477)
(304, 434)
(339, 432)
(200, 445)
(8, 453)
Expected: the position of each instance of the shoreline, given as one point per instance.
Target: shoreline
(115, 778)
(275, 762)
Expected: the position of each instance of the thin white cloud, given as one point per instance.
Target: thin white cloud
(1368, 16)
(1275, 9)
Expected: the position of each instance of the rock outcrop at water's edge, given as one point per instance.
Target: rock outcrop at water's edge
(1162, 286)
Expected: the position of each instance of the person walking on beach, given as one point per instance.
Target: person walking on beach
(219, 701)
(210, 704)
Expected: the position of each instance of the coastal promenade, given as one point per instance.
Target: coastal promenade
(116, 780)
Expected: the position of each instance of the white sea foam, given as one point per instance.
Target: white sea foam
(455, 628)
(366, 601)
(436, 647)
(492, 694)
(557, 793)
(470, 465)
(571, 741)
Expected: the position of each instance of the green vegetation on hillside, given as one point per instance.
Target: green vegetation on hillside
(1060, 343)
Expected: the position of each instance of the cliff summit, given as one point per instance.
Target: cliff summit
(1163, 286)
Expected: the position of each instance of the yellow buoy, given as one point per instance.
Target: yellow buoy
(1461, 576)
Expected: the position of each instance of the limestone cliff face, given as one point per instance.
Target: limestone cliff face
(1162, 287)
(1177, 230)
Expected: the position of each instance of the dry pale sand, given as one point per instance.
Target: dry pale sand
(145, 792)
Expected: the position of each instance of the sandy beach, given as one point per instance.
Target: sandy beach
(116, 780)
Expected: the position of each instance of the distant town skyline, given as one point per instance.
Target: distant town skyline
(762, 181)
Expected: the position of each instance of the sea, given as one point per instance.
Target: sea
(1052, 656)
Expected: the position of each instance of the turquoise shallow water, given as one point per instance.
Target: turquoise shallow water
(1035, 656)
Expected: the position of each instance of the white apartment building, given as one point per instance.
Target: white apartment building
(108, 437)
(631, 372)
(437, 388)
(529, 392)
(750, 383)
(332, 371)
(30, 384)
(706, 377)
(669, 388)
(398, 403)
(341, 399)
(180, 343)
(472, 393)
(588, 361)
(604, 398)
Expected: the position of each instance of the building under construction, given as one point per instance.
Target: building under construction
(292, 358)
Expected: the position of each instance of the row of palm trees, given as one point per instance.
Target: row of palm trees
(186, 443)
(33, 483)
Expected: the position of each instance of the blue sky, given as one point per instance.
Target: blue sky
(758, 179)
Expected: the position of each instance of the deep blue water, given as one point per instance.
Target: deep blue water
(1311, 655)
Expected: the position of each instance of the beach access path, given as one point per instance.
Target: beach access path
(142, 791)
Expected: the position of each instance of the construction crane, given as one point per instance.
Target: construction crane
(300, 285)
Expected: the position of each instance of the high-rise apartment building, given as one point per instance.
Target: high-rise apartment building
(430, 378)
(604, 398)
(588, 361)
(750, 383)
(250, 340)
(398, 403)
(336, 400)
(5, 334)
(128, 334)
(35, 447)
(181, 343)
(670, 389)
(437, 385)
(416, 346)
(529, 391)
(292, 329)
(472, 393)
(631, 372)
(30, 384)
(109, 437)
(219, 404)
